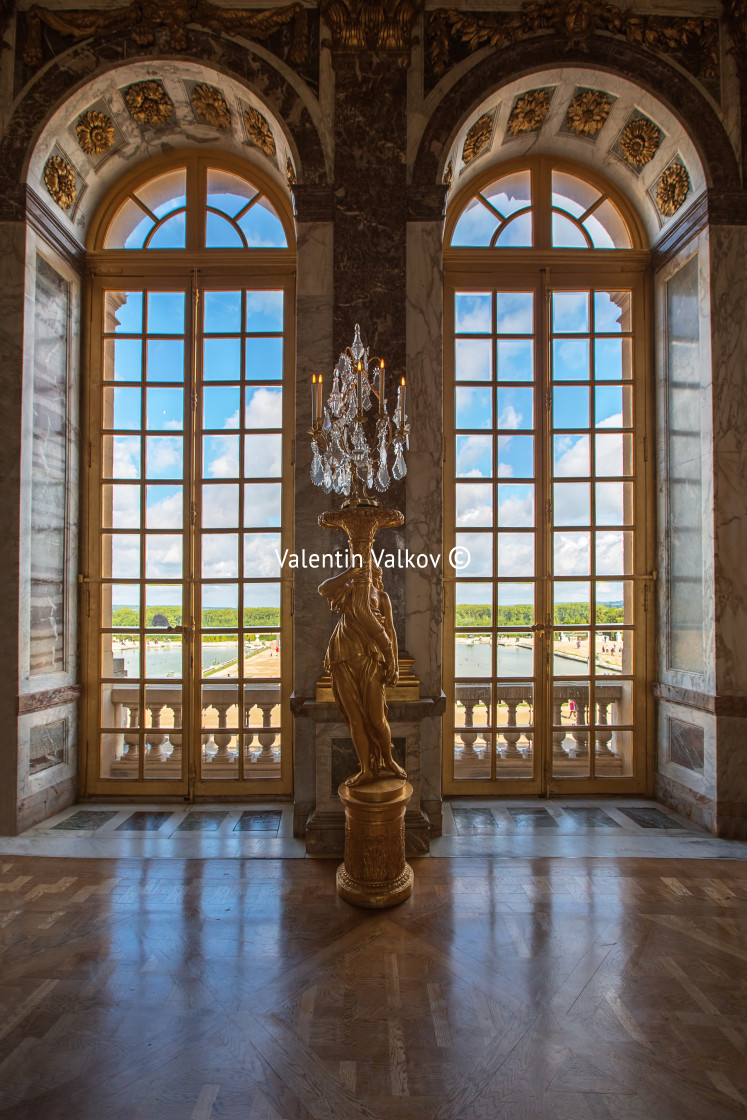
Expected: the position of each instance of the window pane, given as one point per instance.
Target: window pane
(228, 192)
(515, 409)
(123, 359)
(613, 359)
(165, 409)
(515, 360)
(262, 228)
(220, 456)
(220, 233)
(515, 312)
(570, 312)
(122, 408)
(511, 193)
(164, 193)
(129, 227)
(476, 225)
(612, 311)
(264, 359)
(570, 407)
(474, 504)
(566, 235)
(123, 312)
(121, 457)
(571, 456)
(261, 552)
(222, 359)
(613, 407)
(474, 408)
(264, 311)
(614, 454)
(165, 358)
(164, 456)
(517, 234)
(221, 406)
(570, 359)
(473, 359)
(515, 604)
(120, 507)
(515, 506)
(572, 194)
(222, 314)
(474, 604)
(172, 234)
(262, 505)
(571, 503)
(165, 312)
(571, 554)
(516, 554)
(515, 456)
(263, 408)
(163, 507)
(472, 312)
(474, 456)
(475, 554)
(220, 556)
(614, 553)
(263, 456)
(608, 218)
(220, 506)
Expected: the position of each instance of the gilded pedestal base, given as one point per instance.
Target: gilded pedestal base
(375, 874)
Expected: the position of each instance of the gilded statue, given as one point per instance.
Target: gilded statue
(362, 659)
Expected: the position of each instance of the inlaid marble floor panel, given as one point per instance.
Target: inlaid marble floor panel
(503, 989)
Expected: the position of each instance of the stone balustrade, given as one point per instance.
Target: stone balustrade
(163, 730)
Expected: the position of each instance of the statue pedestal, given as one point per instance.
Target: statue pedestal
(375, 874)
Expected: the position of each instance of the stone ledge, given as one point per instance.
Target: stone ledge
(703, 701)
(398, 711)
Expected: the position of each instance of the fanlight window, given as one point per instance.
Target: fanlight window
(236, 214)
(505, 215)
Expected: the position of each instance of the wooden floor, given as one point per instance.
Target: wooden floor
(246, 990)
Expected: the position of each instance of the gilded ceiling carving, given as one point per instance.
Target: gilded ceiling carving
(529, 112)
(290, 173)
(149, 104)
(478, 138)
(209, 103)
(260, 133)
(639, 142)
(95, 133)
(574, 21)
(672, 189)
(59, 179)
(588, 112)
(370, 24)
(145, 19)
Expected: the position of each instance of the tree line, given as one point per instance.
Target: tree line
(522, 614)
(223, 617)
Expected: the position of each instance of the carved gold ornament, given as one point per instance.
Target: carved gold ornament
(478, 138)
(290, 174)
(59, 179)
(95, 133)
(588, 112)
(639, 142)
(573, 22)
(209, 103)
(672, 190)
(385, 25)
(529, 112)
(259, 131)
(449, 173)
(148, 103)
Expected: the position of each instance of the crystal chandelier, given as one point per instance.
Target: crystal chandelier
(352, 434)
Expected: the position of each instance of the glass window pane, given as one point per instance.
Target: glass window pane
(263, 408)
(165, 359)
(263, 456)
(476, 225)
(515, 312)
(510, 193)
(220, 456)
(163, 556)
(129, 227)
(264, 311)
(570, 359)
(472, 313)
(474, 604)
(516, 554)
(172, 234)
(515, 409)
(121, 457)
(614, 553)
(165, 312)
(264, 359)
(120, 507)
(571, 604)
(515, 360)
(221, 407)
(222, 313)
(612, 312)
(613, 359)
(262, 228)
(571, 503)
(515, 604)
(570, 456)
(566, 234)
(165, 193)
(262, 505)
(613, 454)
(165, 409)
(120, 607)
(570, 312)
(123, 359)
(472, 718)
(572, 194)
(120, 555)
(474, 554)
(473, 359)
(515, 506)
(614, 503)
(121, 408)
(571, 554)
(222, 359)
(474, 456)
(220, 233)
(123, 312)
(220, 505)
(515, 456)
(164, 507)
(608, 218)
(474, 504)
(220, 555)
(220, 605)
(570, 407)
(228, 192)
(517, 234)
(262, 555)
(474, 408)
(164, 456)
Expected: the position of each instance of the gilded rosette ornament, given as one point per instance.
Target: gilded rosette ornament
(95, 133)
(210, 104)
(672, 190)
(290, 173)
(478, 138)
(529, 112)
(588, 112)
(639, 142)
(449, 173)
(149, 104)
(259, 132)
(59, 179)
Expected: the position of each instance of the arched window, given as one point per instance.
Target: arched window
(189, 395)
(547, 414)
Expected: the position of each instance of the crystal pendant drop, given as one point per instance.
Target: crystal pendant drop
(369, 475)
(317, 468)
(357, 348)
(399, 469)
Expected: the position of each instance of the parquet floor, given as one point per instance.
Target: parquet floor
(246, 990)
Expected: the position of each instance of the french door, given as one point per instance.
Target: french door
(547, 419)
(187, 483)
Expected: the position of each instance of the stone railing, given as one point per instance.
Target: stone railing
(163, 732)
(515, 742)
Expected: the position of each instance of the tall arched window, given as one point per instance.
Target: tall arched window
(547, 415)
(189, 393)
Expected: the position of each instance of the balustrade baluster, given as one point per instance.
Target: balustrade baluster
(468, 737)
(511, 737)
(558, 737)
(581, 738)
(175, 736)
(131, 739)
(603, 734)
(266, 737)
(153, 737)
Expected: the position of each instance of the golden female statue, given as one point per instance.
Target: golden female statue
(362, 660)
